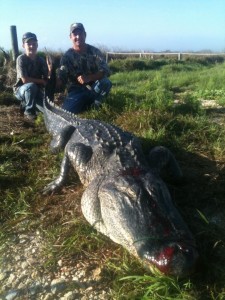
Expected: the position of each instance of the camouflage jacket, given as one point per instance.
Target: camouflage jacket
(73, 64)
(26, 67)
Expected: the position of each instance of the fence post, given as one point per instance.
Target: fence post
(15, 50)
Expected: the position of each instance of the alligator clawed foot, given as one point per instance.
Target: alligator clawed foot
(52, 187)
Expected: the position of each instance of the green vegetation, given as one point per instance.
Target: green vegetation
(162, 103)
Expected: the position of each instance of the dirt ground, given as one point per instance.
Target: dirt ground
(11, 120)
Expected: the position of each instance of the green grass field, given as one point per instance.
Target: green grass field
(162, 103)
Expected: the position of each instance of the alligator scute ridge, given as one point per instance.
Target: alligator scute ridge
(125, 198)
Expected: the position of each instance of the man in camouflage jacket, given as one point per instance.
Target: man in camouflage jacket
(84, 70)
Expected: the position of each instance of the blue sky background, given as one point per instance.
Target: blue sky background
(127, 25)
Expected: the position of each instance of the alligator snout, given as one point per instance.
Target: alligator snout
(178, 259)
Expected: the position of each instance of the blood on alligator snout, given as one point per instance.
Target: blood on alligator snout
(175, 260)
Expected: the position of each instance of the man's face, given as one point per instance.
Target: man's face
(78, 38)
(30, 47)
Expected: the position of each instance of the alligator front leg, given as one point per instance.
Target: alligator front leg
(59, 141)
(56, 184)
(162, 158)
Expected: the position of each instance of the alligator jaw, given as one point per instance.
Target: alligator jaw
(176, 259)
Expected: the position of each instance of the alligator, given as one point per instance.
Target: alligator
(125, 197)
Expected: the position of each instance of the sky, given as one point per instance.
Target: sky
(118, 25)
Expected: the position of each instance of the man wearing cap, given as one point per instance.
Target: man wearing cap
(32, 76)
(84, 70)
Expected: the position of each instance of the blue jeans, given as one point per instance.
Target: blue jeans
(31, 97)
(79, 98)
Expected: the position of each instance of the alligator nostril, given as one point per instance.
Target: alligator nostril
(187, 250)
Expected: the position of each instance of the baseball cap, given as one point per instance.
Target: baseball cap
(76, 26)
(29, 36)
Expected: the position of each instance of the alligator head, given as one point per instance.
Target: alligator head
(136, 212)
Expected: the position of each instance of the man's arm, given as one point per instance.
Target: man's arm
(26, 79)
(23, 74)
(83, 79)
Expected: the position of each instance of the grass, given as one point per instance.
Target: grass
(142, 101)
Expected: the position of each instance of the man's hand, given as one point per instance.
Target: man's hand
(82, 79)
(49, 64)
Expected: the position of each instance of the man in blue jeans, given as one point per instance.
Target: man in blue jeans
(32, 77)
(85, 72)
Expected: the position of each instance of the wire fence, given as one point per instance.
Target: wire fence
(154, 55)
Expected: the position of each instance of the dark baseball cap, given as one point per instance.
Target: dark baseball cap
(29, 36)
(75, 26)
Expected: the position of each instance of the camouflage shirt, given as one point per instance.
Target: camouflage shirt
(74, 64)
(26, 67)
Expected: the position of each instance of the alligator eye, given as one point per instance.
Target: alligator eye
(133, 190)
(128, 191)
(133, 193)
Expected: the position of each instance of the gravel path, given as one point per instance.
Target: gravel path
(22, 275)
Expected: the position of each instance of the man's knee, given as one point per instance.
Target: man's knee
(32, 87)
(103, 86)
(73, 103)
(26, 91)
